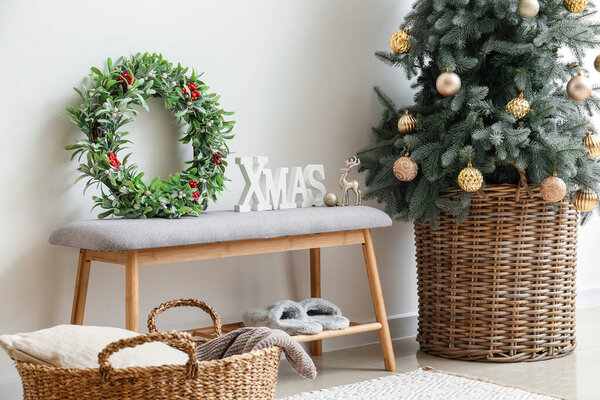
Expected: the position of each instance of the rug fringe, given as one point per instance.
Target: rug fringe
(476, 378)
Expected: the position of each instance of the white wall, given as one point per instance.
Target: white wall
(299, 75)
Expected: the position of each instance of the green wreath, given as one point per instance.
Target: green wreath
(113, 101)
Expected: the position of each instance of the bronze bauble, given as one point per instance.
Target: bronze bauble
(448, 84)
(405, 169)
(593, 145)
(407, 123)
(586, 200)
(399, 41)
(470, 179)
(597, 63)
(528, 8)
(553, 189)
(330, 199)
(518, 107)
(576, 6)
(579, 88)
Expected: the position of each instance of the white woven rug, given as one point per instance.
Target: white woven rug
(421, 384)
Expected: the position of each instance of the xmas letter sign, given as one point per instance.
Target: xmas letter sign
(286, 188)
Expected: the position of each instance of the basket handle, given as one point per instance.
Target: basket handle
(184, 303)
(178, 340)
(522, 182)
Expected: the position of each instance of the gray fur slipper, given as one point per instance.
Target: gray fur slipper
(286, 315)
(325, 313)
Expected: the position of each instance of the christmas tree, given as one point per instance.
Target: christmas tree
(500, 84)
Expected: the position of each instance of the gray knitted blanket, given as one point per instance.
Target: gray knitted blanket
(244, 340)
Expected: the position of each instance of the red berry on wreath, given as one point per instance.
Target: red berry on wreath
(216, 159)
(126, 79)
(195, 195)
(193, 184)
(113, 160)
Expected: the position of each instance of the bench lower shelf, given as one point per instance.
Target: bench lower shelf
(354, 327)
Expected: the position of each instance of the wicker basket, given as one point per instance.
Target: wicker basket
(248, 376)
(500, 286)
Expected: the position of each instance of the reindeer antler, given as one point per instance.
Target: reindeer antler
(352, 161)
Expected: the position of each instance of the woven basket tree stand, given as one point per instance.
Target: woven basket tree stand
(500, 286)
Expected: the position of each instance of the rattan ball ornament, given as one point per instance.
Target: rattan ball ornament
(528, 8)
(579, 88)
(553, 189)
(407, 123)
(518, 107)
(448, 83)
(399, 41)
(576, 6)
(405, 169)
(470, 179)
(597, 63)
(586, 200)
(593, 145)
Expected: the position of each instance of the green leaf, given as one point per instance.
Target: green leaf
(105, 214)
(97, 71)
(143, 102)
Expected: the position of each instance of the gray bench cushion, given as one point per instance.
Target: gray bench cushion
(214, 226)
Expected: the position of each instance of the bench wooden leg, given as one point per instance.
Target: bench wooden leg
(132, 292)
(378, 304)
(316, 347)
(81, 286)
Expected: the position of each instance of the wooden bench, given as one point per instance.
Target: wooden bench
(134, 243)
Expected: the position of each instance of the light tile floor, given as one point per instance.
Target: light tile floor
(576, 376)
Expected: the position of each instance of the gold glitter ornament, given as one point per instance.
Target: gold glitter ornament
(586, 200)
(553, 189)
(576, 6)
(593, 145)
(405, 169)
(407, 123)
(518, 107)
(470, 179)
(448, 83)
(399, 41)
(579, 87)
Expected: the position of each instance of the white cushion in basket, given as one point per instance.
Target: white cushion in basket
(75, 346)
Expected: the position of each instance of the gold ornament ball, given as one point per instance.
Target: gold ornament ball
(399, 41)
(518, 107)
(470, 179)
(597, 63)
(405, 169)
(553, 189)
(448, 84)
(528, 8)
(576, 6)
(407, 123)
(579, 88)
(586, 200)
(593, 145)
(330, 199)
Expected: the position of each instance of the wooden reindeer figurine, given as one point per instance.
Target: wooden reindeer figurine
(346, 185)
